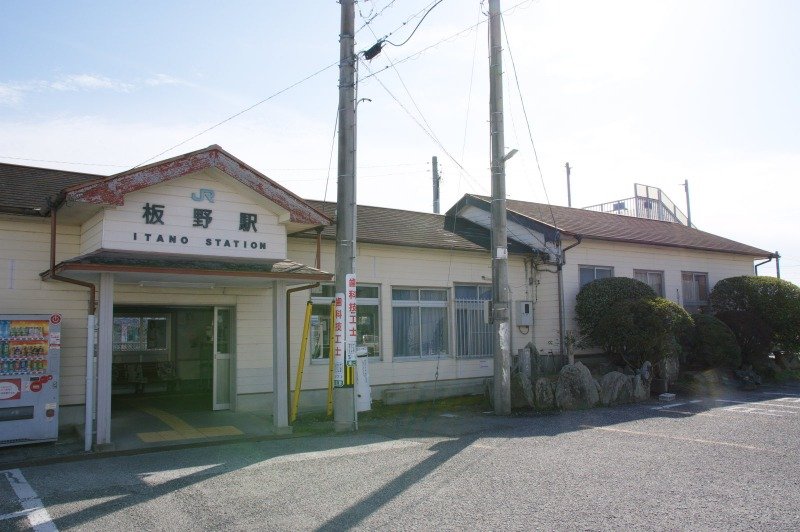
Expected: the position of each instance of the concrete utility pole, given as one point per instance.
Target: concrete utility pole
(688, 207)
(344, 412)
(500, 295)
(436, 179)
(569, 188)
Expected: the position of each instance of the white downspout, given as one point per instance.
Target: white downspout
(88, 423)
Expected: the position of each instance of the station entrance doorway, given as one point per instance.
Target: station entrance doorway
(181, 357)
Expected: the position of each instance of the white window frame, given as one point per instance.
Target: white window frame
(582, 267)
(419, 303)
(375, 346)
(471, 307)
(694, 303)
(647, 274)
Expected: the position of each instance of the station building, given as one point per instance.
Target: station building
(198, 270)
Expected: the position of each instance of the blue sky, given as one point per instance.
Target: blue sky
(646, 91)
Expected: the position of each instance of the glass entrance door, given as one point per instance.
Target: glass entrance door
(223, 348)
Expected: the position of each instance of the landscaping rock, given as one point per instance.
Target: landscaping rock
(668, 369)
(543, 393)
(641, 388)
(521, 391)
(576, 388)
(615, 388)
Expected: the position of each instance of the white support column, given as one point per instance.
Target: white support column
(104, 349)
(280, 359)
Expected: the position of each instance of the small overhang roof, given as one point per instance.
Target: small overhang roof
(166, 269)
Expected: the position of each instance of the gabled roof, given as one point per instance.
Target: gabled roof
(26, 189)
(112, 190)
(395, 227)
(617, 228)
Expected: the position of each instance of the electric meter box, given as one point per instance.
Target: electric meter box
(524, 314)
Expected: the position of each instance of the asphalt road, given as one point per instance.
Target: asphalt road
(728, 462)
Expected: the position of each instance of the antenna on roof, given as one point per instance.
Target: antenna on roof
(569, 190)
(436, 179)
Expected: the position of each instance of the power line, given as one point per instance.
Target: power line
(527, 121)
(368, 20)
(273, 95)
(408, 92)
(429, 133)
(519, 5)
(417, 26)
(330, 158)
(60, 162)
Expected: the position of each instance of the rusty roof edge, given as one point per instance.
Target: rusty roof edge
(212, 156)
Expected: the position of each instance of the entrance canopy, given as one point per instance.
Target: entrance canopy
(185, 271)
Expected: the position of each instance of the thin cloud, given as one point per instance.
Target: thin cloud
(163, 79)
(88, 82)
(14, 93)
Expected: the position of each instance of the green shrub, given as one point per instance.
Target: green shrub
(752, 334)
(775, 301)
(642, 330)
(711, 344)
(595, 299)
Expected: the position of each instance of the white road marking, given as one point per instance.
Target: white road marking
(741, 409)
(781, 393)
(38, 516)
(680, 438)
(787, 399)
(665, 407)
(752, 406)
(15, 515)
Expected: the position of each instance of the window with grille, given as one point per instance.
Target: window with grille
(473, 332)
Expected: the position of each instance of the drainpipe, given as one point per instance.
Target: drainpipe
(771, 256)
(318, 264)
(562, 325)
(90, 322)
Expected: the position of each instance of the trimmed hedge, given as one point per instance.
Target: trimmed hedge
(596, 299)
(752, 334)
(711, 344)
(642, 330)
(775, 301)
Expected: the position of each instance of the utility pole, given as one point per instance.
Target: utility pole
(500, 296)
(344, 412)
(436, 179)
(569, 189)
(688, 207)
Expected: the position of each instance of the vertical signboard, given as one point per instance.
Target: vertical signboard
(345, 335)
(351, 333)
(30, 349)
(338, 340)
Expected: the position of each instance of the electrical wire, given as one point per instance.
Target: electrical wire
(264, 100)
(330, 158)
(415, 55)
(429, 133)
(60, 162)
(408, 92)
(368, 20)
(527, 121)
(417, 26)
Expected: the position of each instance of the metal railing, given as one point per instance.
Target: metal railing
(649, 202)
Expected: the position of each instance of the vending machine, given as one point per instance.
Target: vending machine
(30, 349)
